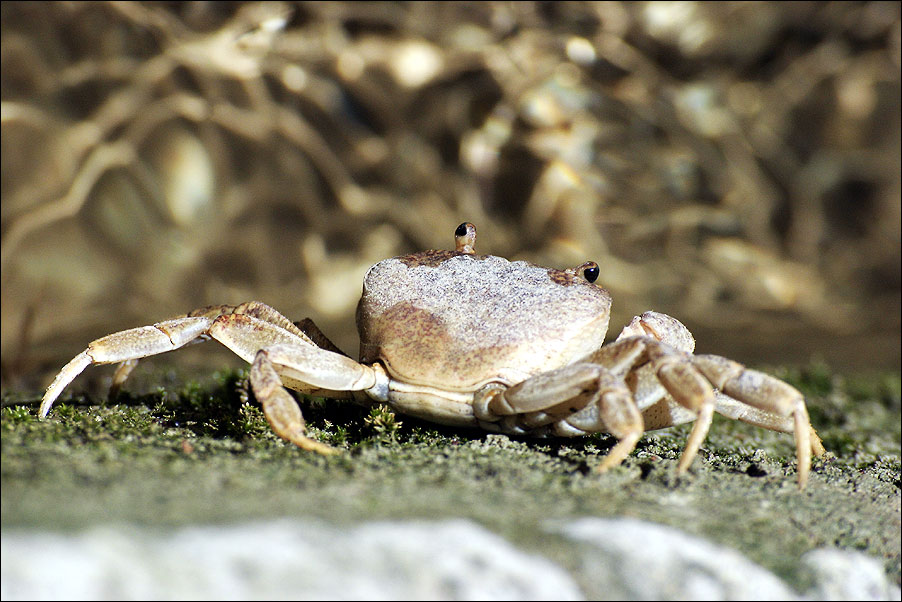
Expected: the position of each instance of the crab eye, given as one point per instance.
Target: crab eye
(465, 238)
(591, 271)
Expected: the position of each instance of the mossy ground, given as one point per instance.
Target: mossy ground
(202, 452)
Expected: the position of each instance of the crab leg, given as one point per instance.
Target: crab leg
(547, 393)
(276, 358)
(674, 370)
(586, 397)
(279, 407)
(615, 412)
(254, 309)
(277, 350)
(767, 393)
(303, 363)
(738, 410)
(690, 390)
(128, 346)
(688, 379)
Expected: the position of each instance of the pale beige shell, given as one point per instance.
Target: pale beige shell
(456, 321)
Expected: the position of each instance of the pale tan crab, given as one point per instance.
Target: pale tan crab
(476, 340)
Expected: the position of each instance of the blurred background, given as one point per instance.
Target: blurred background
(734, 164)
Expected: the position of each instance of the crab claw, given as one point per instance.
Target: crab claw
(662, 327)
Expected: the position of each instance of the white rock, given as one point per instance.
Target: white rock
(278, 560)
(847, 575)
(631, 559)
(452, 559)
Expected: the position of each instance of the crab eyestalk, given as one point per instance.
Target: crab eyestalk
(465, 238)
(588, 271)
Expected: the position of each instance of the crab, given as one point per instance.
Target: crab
(470, 340)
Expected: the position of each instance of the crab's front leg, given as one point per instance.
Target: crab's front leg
(743, 394)
(774, 398)
(577, 399)
(677, 376)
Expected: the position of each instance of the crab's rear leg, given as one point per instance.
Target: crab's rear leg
(261, 336)
(127, 346)
(255, 309)
(280, 409)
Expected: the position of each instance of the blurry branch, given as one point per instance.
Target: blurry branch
(102, 159)
(134, 112)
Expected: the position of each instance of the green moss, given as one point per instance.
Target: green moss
(204, 453)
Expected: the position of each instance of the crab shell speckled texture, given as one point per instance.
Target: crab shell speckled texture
(457, 321)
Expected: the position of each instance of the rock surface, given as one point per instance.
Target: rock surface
(454, 559)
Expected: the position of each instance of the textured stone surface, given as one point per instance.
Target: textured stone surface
(845, 575)
(279, 560)
(632, 559)
(456, 559)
